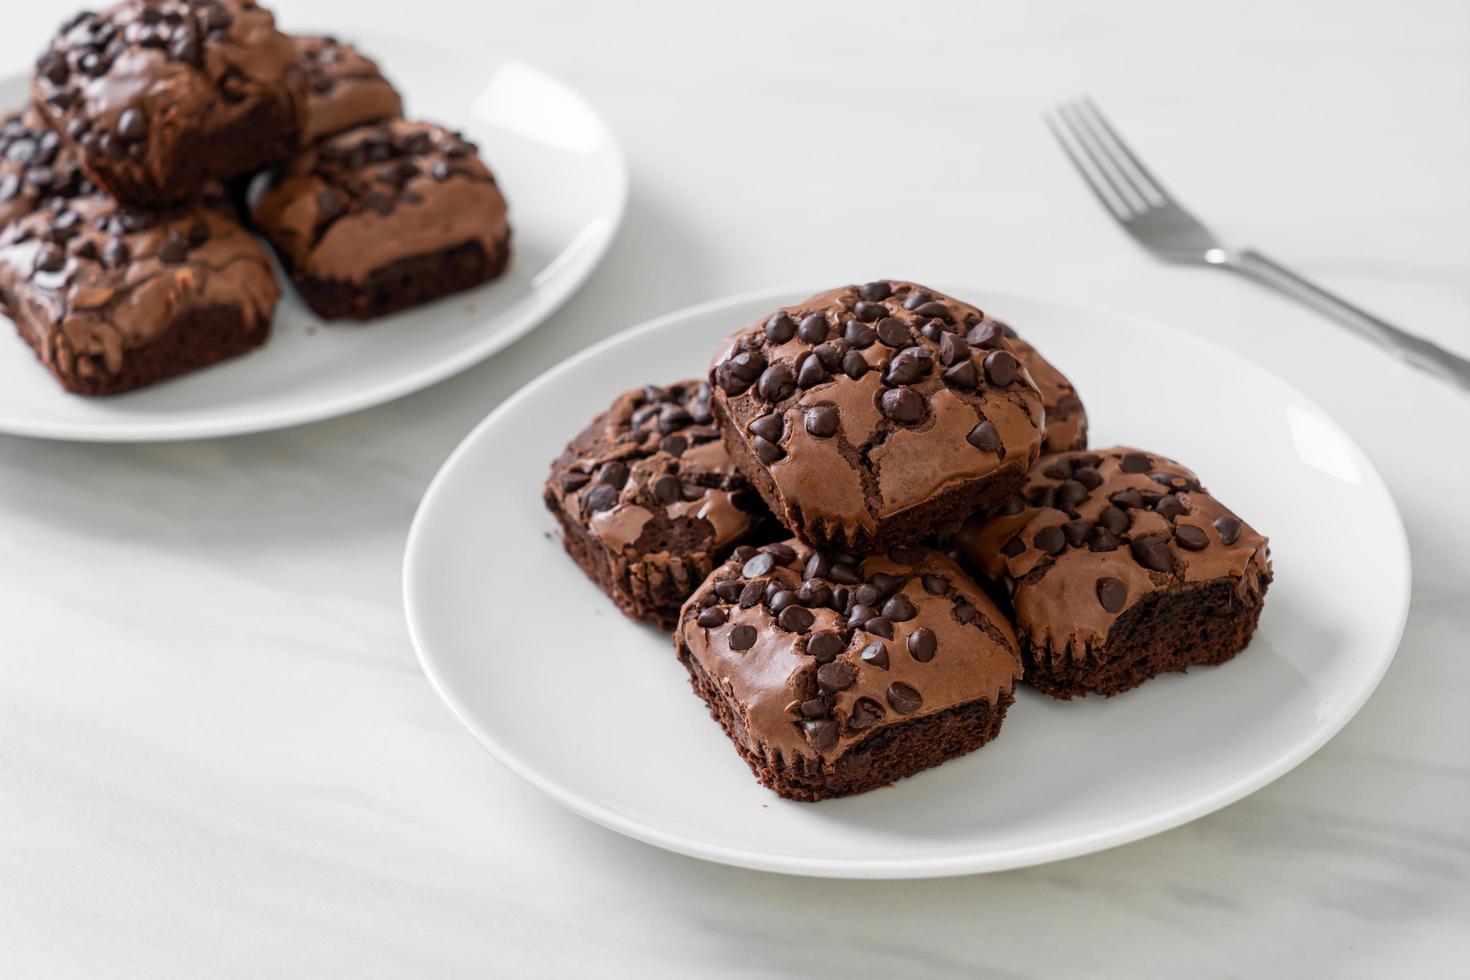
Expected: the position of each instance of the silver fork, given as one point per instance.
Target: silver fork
(1136, 198)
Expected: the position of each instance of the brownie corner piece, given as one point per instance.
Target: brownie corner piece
(877, 415)
(834, 675)
(161, 97)
(648, 500)
(1120, 566)
(112, 298)
(384, 217)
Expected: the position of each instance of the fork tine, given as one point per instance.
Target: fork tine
(1106, 194)
(1102, 164)
(1148, 185)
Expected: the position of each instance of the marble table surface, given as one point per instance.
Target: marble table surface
(218, 756)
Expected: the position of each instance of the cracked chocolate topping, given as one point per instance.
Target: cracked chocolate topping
(822, 650)
(87, 279)
(650, 463)
(866, 401)
(1097, 532)
(134, 85)
(373, 195)
(344, 88)
(35, 167)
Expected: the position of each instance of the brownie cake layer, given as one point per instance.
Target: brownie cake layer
(876, 415)
(1119, 566)
(834, 675)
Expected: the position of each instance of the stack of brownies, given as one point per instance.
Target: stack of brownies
(878, 514)
(124, 254)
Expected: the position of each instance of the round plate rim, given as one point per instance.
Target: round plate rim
(269, 420)
(900, 868)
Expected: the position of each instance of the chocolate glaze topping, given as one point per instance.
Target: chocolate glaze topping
(344, 88)
(373, 195)
(868, 400)
(87, 279)
(1096, 532)
(35, 166)
(824, 650)
(1066, 420)
(133, 86)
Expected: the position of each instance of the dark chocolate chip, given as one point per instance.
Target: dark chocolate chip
(880, 626)
(962, 375)
(821, 421)
(966, 613)
(875, 654)
(821, 732)
(132, 125)
(614, 474)
(829, 354)
(858, 334)
(899, 609)
(674, 445)
(1127, 499)
(1152, 553)
(811, 373)
(667, 489)
(1013, 547)
(985, 438)
(742, 637)
(1111, 593)
(868, 312)
(768, 427)
(783, 553)
(923, 644)
(838, 675)
(916, 299)
(936, 584)
(843, 573)
(760, 565)
(711, 616)
(865, 714)
(1014, 504)
(854, 365)
(1113, 519)
(1169, 507)
(824, 645)
(932, 308)
(1076, 532)
(987, 334)
(904, 698)
(813, 329)
(1191, 537)
(85, 249)
(776, 382)
(752, 595)
(1000, 367)
(903, 405)
(766, 450)
(797, 619)
(672, 418)
(1135, 463)
(574, 480)
(814, 708)
(908, 367)
(1059, 470)
(1103, 540)
(1069, 495)
(53, 67)
(600, 497)
(875, 292)
(175, 249)
(729, 590)
(892, 332)
(1088, 477)
(1051, 540)
(50, 258)
(780, 328)
(782, 598)
(1229, 528)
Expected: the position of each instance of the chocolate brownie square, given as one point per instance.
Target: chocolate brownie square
(162, 97)
(648, 500)
(1120, 566)
(112, 298)
(834, 675)
(344, 88)
(384, 217)
(1066, 419)
(876, 415)
(34, 166)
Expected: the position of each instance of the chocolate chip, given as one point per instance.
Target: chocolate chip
(879, 626)
(766, 451)
(1191, 537)
(923, 644)
(1169, 507)
(904, 699)
(936, 584)
(1103, 540)
(858, 334)
(1076, 532)
(783, 553)
(768, 427)
(875, 654)
(817, 566)
(1059, 470)
(1229, 528)
(985, 437)
(614, 474)
(53, 67)
(868, 312)
(814, 708)
(132, 125)
(824, 646)
(50, 259)
(751, 595)
(1014, 504)
(175, 249)
(600, 497)
(821, 732)
(813, 594)
(892, 332)
(782, 598)
(1127, 499)
(811, 373)
(776, 382)
(813, 329)
(854, 365)
(916, 299)
(729, 590)
(711, 616)
(903, 405)
(899, 609)
(908, 367)
(667, 489)
(1050, 540)
(966, 613)
(1135, 463)
(1013, 547)
(838, 675)
(198, 233)
(875, 291)
(986, 334)
(780, 328)
(1000, 367)
(844, 573)
(865, 714)
(673, 417)
(674, 445)
(1113, 519)
(742, 637)
(866, 594)
(1088, 477)
(821, 421)
(797, 619)
(1152, 553)
(962, 376)
(85, 249)
(1111, 593)
(1040, 496)
(760, 565)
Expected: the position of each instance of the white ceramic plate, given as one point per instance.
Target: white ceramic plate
(564, 176)
(595, 709)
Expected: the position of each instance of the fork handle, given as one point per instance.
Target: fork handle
(1423, 354)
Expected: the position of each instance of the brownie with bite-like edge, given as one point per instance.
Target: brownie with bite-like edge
(834, 674)
(160, 98)
(648, 500)
(875, 415)
(384, 217)
(1119, 566)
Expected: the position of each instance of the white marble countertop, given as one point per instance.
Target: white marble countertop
(218, 757)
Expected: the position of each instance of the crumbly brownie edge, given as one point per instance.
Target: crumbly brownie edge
(400, 285)
(1166, 632)
(884, 757)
